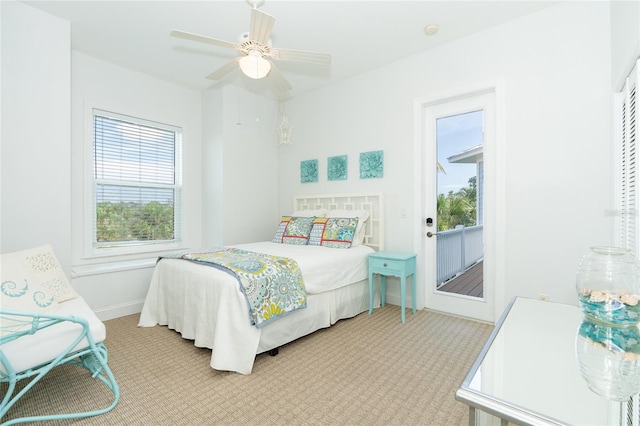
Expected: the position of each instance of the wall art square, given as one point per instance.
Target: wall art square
(371, 164)
(337, 168)
(308, 171)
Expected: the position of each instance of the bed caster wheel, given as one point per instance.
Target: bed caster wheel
(273, 352)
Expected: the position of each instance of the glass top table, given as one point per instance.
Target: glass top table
(527, 372)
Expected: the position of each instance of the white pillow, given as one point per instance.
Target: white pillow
(40, 267)
(359, 237)
(362, 216)
(311, 213)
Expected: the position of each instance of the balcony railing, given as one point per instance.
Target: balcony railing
(458, 249)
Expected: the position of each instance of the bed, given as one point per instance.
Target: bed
(206, 304)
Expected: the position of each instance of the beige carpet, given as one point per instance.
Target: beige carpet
(365, 370)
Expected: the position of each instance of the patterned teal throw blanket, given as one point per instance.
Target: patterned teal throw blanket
(272, 285)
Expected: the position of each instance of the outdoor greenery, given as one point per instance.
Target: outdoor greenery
(458, 208)
(134, 222)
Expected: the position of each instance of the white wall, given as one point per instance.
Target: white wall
(625, 40)
(102, 85)
(554, 70)
(35, 147)
(241, 192)
(212, 166)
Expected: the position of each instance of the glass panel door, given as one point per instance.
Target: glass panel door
(456, 138)
(460, 248)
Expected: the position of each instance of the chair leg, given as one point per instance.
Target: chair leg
(94, 359)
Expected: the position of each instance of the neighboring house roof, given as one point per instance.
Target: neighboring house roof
(471, 155)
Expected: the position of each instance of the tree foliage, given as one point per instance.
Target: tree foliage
(458, 208)
(134, 222)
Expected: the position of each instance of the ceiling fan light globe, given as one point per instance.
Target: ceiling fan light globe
(255, 67)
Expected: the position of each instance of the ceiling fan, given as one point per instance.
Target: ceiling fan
(256, 52)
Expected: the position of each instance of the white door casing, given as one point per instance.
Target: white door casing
(426, 112)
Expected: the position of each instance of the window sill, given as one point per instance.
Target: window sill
(111, 267)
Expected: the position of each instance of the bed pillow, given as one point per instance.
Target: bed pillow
(32, 281)
(293, 230)
(362, 215)
(360, 234)
(336, 232)
(311, 213)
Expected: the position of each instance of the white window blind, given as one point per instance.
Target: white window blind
(627, 164)
(137, 182)
(627, 119)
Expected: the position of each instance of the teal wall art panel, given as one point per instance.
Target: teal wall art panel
(371, 164)
(337, 168)
(308, 171)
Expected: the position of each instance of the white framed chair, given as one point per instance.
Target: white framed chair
(32, 344)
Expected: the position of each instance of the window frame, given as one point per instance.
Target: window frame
(92, 249)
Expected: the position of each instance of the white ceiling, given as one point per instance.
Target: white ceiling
(360, 35)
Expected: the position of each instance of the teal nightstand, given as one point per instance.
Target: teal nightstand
(386, 263)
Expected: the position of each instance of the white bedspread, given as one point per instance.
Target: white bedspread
(205, 304)
(323, 268)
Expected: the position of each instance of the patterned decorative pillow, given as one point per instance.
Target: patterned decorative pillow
(336, 232)
(362, 216)
(293, 230)
(33, 280)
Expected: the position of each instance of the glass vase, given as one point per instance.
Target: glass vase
(608, 286)
(609, 359)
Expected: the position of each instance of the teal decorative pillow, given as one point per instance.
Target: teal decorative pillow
(336, 232)
(293, 230)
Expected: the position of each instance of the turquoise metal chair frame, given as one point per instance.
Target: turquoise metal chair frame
(93, 357)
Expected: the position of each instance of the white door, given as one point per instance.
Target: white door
(458, 160)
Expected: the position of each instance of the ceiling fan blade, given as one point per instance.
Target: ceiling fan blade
(277, 79)
(261, 25)
(301, 56)
(203, 39)
(221, 72)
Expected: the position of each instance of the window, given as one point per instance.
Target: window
(136, 183)
(626, 191)
(627, 230)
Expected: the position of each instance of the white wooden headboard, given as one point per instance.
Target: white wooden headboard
(371, 202)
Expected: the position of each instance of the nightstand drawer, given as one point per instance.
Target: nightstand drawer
(387, 266)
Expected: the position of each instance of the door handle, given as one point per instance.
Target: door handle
(431, 234)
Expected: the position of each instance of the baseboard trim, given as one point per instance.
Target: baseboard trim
(117, 311)
(394, 299)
